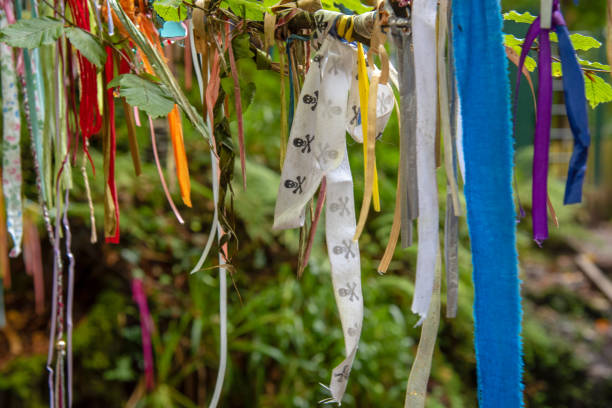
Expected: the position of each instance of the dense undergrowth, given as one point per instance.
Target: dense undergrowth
(284, 332)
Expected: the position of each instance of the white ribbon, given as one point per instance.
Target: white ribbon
(424, 29)
(328, 106)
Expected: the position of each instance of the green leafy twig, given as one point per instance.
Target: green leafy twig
(162, 70)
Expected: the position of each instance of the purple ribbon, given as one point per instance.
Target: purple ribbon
(575, 98)
(146, 328)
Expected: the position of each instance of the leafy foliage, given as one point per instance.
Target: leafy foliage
(171, 10)
(517, 17)
(32, 33)
(37, 32)
(597, 90)
(88, 45)
(251, 10)
(579, 41)
(594, 65)
(515, 43)
(149, 96)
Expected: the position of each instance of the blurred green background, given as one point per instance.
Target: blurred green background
(284, 332)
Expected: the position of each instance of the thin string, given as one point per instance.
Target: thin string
(69, 297)
(161, 173)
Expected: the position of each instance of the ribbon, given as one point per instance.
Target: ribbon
(409, 193)
(90, 120)
(111, 203)
(451, 222)
(316, 149)
(363, 109)
(416, 388)
(444, 103)
(146, 328)
(180, 157)
(5, 270)
(487, 142)
(33, 99)
(576, 107)
(11, 132)
(542, 139)
(200, 43)
(575, 100)
(424, 31)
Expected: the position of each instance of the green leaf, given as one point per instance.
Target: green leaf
(579, 41)
(115, 82)
(89, 46)
(170, 10)
(242, 47)
(353, 5)
(584, 42)
(556, 70)
(32, 33)
(597, 90)
(530, 63)
(516, 44)
(515, 16)
(512, 41)
(246, 71)
(251, 10)
(594, 65)
(146, 95)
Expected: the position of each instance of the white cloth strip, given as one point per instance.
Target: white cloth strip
(424, 32)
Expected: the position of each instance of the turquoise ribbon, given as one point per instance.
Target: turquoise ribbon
(481, 69)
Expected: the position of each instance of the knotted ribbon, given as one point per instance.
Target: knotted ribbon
(328, 106)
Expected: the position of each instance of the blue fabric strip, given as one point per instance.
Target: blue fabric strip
(481, 70)
(576, 106)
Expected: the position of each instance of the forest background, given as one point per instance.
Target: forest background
(283, 331)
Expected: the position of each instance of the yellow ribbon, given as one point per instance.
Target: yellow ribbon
(363, 102)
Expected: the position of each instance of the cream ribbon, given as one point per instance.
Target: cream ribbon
(328, 107)
(424, 32)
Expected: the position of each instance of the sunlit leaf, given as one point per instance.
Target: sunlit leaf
(594, 65)
(251, 10)
(171, 10)
(517, 17)
(597, 90)
(556, 70)
(579, 41)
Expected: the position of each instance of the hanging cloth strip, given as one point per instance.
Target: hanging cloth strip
(424, 14)
(317, 149)
(111, 203)
(446, 88)
(575, 99)
(11, 134)
(409, 193)
(90, 120)
(487, 142)
(146, 328)
(33, 100)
